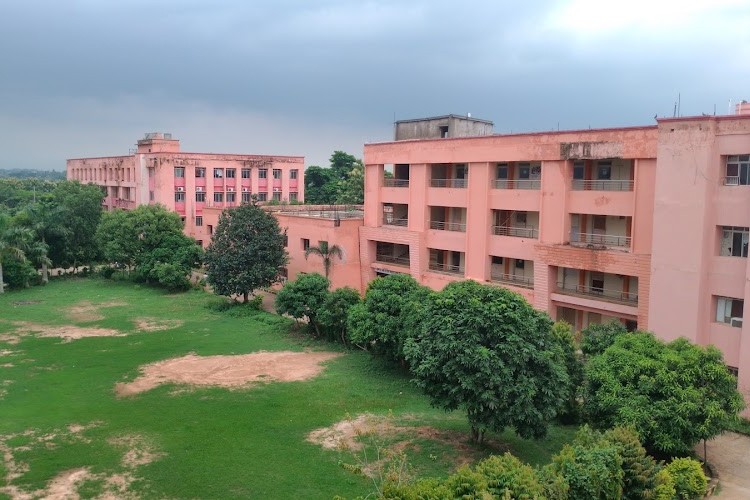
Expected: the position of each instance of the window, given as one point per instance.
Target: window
(497, 260)
(218, 197)
(597, 282)
(305, 244)
(245, 173)
(277, 196)
(729, 311)
(524, 171)
(150, 196)
(520, 263)
(179, 196)
(521, 218)
(444, 131)
(200, 172)
(210, 229)
(734, 371)
(293, 196)
(179, 172)
(262, 173)
(231, 173)
(262, 196)
(502, 171)
(277, 173)
(198, 220)
(604, 170)
(231, 197)
(245, 198)
(738, 170)
(286, 241)
(734, 241)
(200, 197)
(218, 173)
(578, 170)
(293, 173)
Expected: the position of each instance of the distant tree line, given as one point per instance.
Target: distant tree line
(342, 182)
(20, 173)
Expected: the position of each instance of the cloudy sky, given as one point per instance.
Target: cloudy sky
(307, 77)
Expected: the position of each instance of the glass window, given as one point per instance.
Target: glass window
(734, 241)
(604, 171)
(277, 173)
(262, 173)
(179, 196)
(729, 311)
(179, 172)
(231, 173)
(218, 197)
(231, 197)
(198, 220)
(218, 173)
(262, 196)
(305, 244)
(578, 170)
(277, 196)
(245, 197)
(245, 173)
(200, 197)
(293, 196)
(200, 172)
(502, 170)
(738, 170)
(293, 173)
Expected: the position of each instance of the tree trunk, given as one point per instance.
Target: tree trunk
(477, 435)
(245, 296)
(2, 284)
(45, 274)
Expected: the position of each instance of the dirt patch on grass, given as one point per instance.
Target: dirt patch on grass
(386, 434)
(156, 325)
(66, 484)
(85, 311)
(228, 371)
(66, 332)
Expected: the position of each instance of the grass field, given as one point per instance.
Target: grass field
(59, 411)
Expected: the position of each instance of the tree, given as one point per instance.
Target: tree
(150, 241)
(80, 211)
(327, 253)
(596, 338)
(320, 185)
(388, 315)
(304, 298)
(44, 220)
(246, 252)
(335, 310)
(486, 350)
(351, 190)
(12, 242)
(562, 332)
(672, 394)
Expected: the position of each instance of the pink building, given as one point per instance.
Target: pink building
(645, 225)
(158, 172)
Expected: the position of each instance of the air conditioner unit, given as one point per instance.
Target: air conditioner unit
(245, 190)
(230, 189)
(736, 322)
(180, 189)
(276, 189)
(199, 189)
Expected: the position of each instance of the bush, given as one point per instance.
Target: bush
(171, 276)
(304, 298)
(507, 476)
(689, 480)
(639, 469)
(19, 274)
(335, 310)
(107, 272)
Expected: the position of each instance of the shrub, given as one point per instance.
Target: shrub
(335, 310)
(506, 475)
(639, 469)
(689, 480)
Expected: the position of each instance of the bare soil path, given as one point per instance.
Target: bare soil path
(729, 456)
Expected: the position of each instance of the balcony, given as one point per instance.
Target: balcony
(599, 240)
(395, 214)
(602, 185)
(534, 184)
(393, 182)
(446, 268)
(448, 183)
(448, 226)
(516, 232)
(389, 221)
(392, 253)
(512, 279)
(392, 259)
(629, 298)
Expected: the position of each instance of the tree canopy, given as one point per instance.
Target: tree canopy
(484, 349)
(673, 394)
(246, 252)
(304, 298)
(342, 182)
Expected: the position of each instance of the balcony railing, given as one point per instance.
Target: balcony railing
(392, 182)
(389, 221)
(594, 291)
(448, 226)
(607, 240)
(448, 183)
(517, 232)
(511, 279)
(517, 184)
(392, 259)
(446, 268)
(601, 185)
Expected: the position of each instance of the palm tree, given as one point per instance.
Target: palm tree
(43, 220)
(12, 242)
(327, 253)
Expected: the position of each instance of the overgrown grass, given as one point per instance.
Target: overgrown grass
(214, 443)
(741, 425)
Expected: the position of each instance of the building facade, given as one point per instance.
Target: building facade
(187, 183)
(644, 225)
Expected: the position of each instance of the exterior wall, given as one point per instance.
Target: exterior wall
(691, 203)
(148, 176)
(432, 128)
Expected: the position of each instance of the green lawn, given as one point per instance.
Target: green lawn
(208, 442)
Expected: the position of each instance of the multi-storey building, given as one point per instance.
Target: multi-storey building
(644, 225)
(158, 172)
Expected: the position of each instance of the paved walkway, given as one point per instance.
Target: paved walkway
(729, 456)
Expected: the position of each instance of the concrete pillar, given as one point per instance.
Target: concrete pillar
(478, 221)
